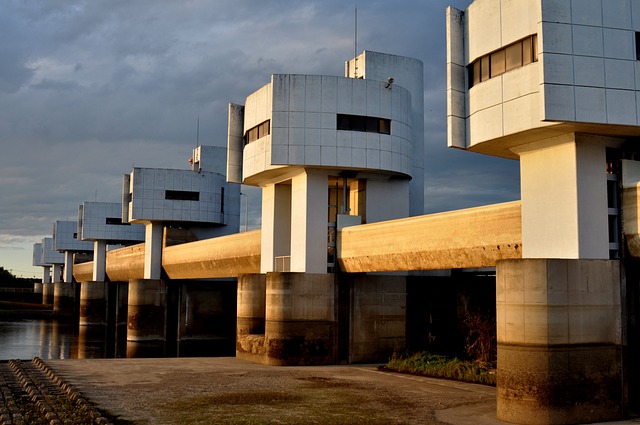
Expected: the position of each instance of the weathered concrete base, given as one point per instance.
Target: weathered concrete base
(250, 322)
(559, 330)
(37, 288)
(65, 298)
(93, 303)
(300, 326)
(559, 385)
(147, 310)
(377, 318)
(48, 291)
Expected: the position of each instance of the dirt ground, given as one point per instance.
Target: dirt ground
(233, 391)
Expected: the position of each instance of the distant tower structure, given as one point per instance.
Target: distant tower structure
(195, 204)
(554, 84)
(52, 260)
(324, 147)
(327, 152)
(65, 240)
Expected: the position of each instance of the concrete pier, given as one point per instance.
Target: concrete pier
(147, 310)
(559, 341)
(65, 297)
(93, 303)
(250, 325)
(48, 291)
(300, 319)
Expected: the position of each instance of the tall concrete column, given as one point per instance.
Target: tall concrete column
(67, 271)
(99, 260)
(569, 221)
(93, 303)
(300, 319)
(153, 250)
(250, 325)
(559, 330)
(46, 274)
(309, 200)
(56, 273)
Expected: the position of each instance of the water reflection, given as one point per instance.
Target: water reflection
(55, 339)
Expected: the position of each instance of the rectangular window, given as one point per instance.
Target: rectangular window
(515, 55)
(362, 123)
(116, 221)
(181, 195)
(257, 132)
(638, 46)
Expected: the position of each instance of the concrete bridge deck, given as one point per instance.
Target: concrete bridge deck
(474, 237)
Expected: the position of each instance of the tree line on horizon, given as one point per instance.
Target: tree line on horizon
(9, 280)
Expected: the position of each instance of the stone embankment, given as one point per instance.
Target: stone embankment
(31, 393)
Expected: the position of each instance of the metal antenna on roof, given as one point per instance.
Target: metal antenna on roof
(198, 133)
(355, 44)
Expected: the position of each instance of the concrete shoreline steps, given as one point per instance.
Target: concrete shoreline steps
(32, 392)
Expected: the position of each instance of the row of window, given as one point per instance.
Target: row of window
(362, 123)
(344, 122)
(513, 56)
(181, 195)
(257, 132)
(116, 221)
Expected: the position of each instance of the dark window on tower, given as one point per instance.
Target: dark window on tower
(362, 123)
(638, 46)
(116, 221)
(181, 195)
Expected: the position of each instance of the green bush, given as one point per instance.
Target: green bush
(438, 366)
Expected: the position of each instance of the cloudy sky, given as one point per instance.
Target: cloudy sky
(90, 88)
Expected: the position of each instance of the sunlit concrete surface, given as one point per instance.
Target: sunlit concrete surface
(474, 237)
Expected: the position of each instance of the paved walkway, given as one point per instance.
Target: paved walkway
(230, 390)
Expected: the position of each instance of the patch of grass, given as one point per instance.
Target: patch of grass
(438, 366)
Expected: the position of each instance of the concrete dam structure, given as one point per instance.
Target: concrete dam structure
(346, 268)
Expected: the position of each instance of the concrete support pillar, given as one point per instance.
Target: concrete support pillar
(378, 317)
(56, 275)
(93, 303)
(559, 330)
(37, 287)
(309, 200)
(99, 260)
(569, 221)
(67, 271)
(46, 274)
(64, 298)
(300, 319)
(147, 310)
(153, 250)
(250, 325)
(48, 291)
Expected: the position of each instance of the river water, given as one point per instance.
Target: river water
(52, 339)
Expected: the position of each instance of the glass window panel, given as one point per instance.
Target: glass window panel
(514, 56)
(343, 122)
(534, 47)
(484, 69)
(476, 72)
(527, 53)
(371, 125)
(498, 63)
(385, 126)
